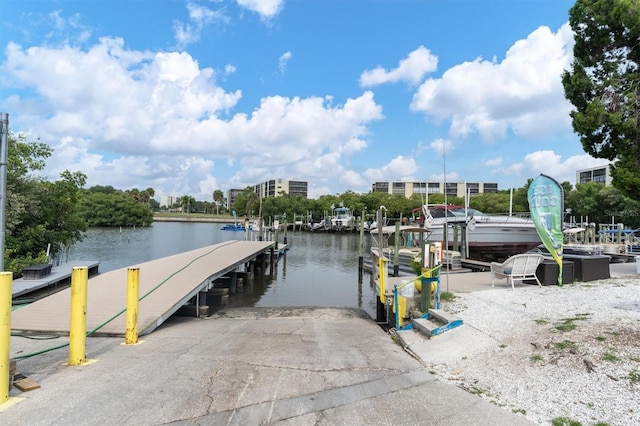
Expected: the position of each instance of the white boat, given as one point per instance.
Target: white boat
(487, 236)
(577, 241)
(342, 219)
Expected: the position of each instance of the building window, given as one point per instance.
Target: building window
(419, 188)
(490, 188)
(381, 187)
(398, 188)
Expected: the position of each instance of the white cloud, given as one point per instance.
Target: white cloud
(162, 109)
(412, 69)
(494, 162)
(451, 177)
(400, 168)
(283, 60)
(267, 9)
(442, 145)
(522, 93)
(551, 164)
(199, 18)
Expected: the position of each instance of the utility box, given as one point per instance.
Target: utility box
(547, 272)
(36, 272)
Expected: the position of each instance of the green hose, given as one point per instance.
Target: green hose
(125, 309)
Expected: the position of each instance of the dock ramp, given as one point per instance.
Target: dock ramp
(165, 285)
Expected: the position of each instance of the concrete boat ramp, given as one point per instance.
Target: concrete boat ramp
(165, 286)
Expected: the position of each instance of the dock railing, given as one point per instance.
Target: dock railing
(427, 277)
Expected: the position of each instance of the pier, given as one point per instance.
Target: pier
(166, 285)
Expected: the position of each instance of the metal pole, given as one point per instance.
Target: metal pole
(4, 133)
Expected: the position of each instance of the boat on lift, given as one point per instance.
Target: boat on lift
(489, 237)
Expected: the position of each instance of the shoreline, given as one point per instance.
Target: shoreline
(193, 219)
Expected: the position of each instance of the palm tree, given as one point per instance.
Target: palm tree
(218, 196)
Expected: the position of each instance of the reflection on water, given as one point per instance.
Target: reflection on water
(320, 269)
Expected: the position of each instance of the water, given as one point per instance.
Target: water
(319, 270)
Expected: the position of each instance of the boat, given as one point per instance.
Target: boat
(488, 237)
(342, 219)
(235, 226)
(578, 240)
(408, 239)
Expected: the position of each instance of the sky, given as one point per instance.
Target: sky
(189, 97)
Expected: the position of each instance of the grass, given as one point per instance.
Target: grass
(520, 411)
(565, 344)
(600, 338)
(541, 321)
(634, 376)
(610, 355)
(447, 296)
(536, 358)
(565, 421)
(569, 324)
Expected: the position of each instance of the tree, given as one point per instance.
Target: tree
(113, 208)
(186, 202)
(604, 85)
(40, 215)
(218, 196)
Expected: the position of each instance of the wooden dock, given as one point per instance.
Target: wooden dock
(165, 285)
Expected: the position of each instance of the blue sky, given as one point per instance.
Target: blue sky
(188, 97)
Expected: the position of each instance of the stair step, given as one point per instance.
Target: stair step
(442, 316)
(435, 323)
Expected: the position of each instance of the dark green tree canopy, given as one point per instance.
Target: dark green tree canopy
(40, 215)
(604, 85)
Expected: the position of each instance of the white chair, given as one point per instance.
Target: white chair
(519, 267)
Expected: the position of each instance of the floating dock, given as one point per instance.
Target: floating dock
(165, 285)
(59, 276)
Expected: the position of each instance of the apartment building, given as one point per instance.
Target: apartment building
(594, 174)
(278, 187)
(455, 189)
(169, 200)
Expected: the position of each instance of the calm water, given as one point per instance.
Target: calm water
(320, 269)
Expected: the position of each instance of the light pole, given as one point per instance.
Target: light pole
(4, 133)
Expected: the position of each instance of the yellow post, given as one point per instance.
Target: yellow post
(5, 333)
(133, 279)
(78, 327)
(381, 278)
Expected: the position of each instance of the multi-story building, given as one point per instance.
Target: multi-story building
(594, 174)
(232, 194)
(455, 189)
(278, 187)
(169, 200)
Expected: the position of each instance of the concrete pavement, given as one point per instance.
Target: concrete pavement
(244, 367)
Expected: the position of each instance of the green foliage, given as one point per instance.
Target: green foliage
(113, 208)
(565, 421)
(603, 85)
(39, 215)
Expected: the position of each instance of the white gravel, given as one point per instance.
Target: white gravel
(589, 374)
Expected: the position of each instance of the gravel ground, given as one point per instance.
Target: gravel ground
(570, 351)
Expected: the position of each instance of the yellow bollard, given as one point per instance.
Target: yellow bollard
(382, 281)
(5, 333)
(78, 327)
(133, 279)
